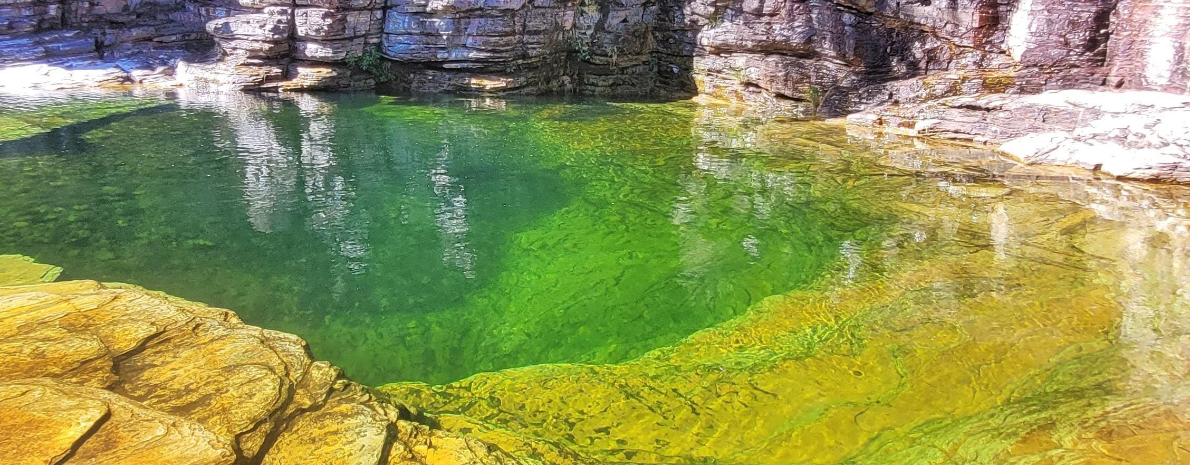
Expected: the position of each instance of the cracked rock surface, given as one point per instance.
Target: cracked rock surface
(106, 373)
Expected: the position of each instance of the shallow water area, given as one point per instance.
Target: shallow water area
(614, 282)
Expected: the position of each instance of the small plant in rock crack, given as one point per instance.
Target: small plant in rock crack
(372, 62)
(814, 96)
(717, 19)
(740, 75)
(581, 47)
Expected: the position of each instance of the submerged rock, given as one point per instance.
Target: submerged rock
(17, 270)
(1010, 330)
(97, 373)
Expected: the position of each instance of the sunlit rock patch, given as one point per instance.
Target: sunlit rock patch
(97, 373)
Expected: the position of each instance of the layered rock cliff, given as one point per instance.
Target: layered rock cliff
(807, 56)
(904, 62)
(827, 57)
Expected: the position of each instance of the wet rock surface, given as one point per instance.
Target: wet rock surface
(1135, 135)
(98, 373)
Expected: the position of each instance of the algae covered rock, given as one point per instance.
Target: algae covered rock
(16, 270)
(1015, 336)
(97, 373)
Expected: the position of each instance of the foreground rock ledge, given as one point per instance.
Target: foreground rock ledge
(113, 374)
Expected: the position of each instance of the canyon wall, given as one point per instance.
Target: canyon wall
(828, 57)
(45, 29)
(804, 56)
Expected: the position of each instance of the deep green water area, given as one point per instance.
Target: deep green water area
(418, 240)
(589, 282)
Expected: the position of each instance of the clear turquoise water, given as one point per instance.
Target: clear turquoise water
(423, 240)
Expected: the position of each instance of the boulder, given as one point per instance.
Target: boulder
(98, 373)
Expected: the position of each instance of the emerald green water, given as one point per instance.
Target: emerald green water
(421, 240)
(580, 282)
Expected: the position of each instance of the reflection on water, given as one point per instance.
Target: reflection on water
(451, 215)
(647, 283)
(998, 314)
(425, 241)
(272, 171)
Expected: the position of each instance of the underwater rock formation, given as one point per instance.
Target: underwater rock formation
(973, 331)
(97, 373)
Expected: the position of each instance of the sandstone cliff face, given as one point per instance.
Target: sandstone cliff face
(1150, 45)
(98, 373)
(290, 44)
(827, 57)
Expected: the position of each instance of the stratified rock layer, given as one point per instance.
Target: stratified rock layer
(101, 374)
(290, 44)
(806, 57)
(1135, 135)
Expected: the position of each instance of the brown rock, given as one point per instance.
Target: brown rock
(271, 25)
(55, 421)
(1150, 45)
(351, 419)
(329, 51)
(50, 424)
(232, 72)
(116, 374)
(1135, 135)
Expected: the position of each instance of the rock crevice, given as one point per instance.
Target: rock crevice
(99, 373)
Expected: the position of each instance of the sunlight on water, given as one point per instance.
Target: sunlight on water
(420, 241)
(603, 282)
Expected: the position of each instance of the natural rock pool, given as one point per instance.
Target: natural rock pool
(639, 282)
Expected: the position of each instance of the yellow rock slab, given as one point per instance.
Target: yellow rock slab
(17, 270)
(115, 374)
(42, 425)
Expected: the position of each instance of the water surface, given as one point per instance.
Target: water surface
(417, 240)
(608, 282)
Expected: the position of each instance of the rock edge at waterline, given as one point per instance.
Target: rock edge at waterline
(111, 373)
(1133, 135)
